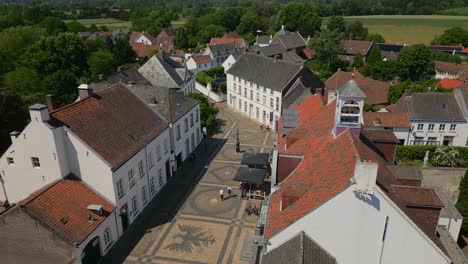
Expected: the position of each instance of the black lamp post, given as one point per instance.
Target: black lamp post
(237, 142)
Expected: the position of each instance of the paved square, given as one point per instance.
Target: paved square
(187, 222)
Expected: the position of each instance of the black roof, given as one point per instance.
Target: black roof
(222, 49)
(252, 176)
(434, 106)
(166, 101)
(125, 76)
(300, 249)
(265, 71)
(260, 159)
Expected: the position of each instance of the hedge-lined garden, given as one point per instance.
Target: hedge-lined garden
(408, 154)
(214, 76)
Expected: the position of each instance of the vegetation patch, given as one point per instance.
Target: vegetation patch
(111, 23)
(438, 155)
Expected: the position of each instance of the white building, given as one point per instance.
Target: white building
(220, 52)
(344, 199)
(111, 140)
(196, 64)
(258, 86)
(447, 70)
(227, 64)
(161, 70)
(435, 118)
(398, 123)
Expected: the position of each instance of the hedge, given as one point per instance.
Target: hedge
(419, 152)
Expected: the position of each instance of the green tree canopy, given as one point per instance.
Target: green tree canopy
(309, 25)
(123, 53)
(415, 61)
(207, 112)
(13, 116)
(75, 27)
(336, 23)
(101, 62)
(377, 38)
(375, 55)
(327, 45)
(53, 25)
(462, 203)
(26, 83)
(453, 36)
(357, 31)
(358, 61)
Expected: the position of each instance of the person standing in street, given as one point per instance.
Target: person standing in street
(229, 190)
(221, 194)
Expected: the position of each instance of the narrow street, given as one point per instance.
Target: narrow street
(187, 222)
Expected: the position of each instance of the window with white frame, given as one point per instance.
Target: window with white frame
(152, 186)
(150, 159)
(158, 152)
(160, 177)
(196, 115)
(453, 127)
(120, 189)
(235, 88)
(271, 102)
(264, 100)
(257, 113)
(131, 177)
(193, 140)
(258, 97)
(185, 125)
(430, 127)
(245, 107)
(251, 95)
(240, 105)
(178, 132)
(141, 170)
(271, 91)
(107, 236)
(277, 103)
(144, 195)
(245, 91)
(10, 161)
(191, 119)
(134, 205)
(35, 162)
(166, 145)
(198, 135)
(420, 126)
(442, 127)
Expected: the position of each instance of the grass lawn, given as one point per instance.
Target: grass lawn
(111, 23)
(408, 28)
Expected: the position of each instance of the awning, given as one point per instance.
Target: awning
(252, 176)
(256, 159)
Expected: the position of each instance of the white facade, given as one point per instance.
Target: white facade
(186, 134)
(228, 63)
(195, 67)
(445, 75)
(143, 39)
(360, 228)
(259, 103)
(438, 133)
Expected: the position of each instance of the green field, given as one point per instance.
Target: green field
(409, 29)
(111, 23)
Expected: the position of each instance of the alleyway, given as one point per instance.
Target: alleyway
(187, 222)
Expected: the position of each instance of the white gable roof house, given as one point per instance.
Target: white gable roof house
(161, 70)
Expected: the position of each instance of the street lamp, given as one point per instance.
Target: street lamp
(237, 142)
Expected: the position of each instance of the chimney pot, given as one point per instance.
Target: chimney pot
(50, 102)
(84, 91)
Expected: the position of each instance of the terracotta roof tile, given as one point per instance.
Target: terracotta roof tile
(106, 122)
(417, 196)
(376, 91)
(67, 201)
(142, 50)
(449, 83)
(202, 59)
(454, 68)
(386, 119)
(353, 47)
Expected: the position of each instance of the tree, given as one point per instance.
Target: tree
(442, 56)
(13, 116)
(123, 53)
(75, 27)
(251, 22)
(207, 112)
(181, 40)
(357, 31)
(377, 38)
(415, 61)
(375, 55)
(309, 24)
(295, 14)
(101, 62)
(358, 61)
(65, 51)
(53, 25)
(336, 23)
(382, 70)
(453, 36)
(445, 156)
(24, 82)
(327, 45)
(462, 203)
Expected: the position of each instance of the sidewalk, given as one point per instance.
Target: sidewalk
(165, 204)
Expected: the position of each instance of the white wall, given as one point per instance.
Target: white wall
(144, 40)
(236, 93)
(444, 75)
(184, 135)
(460, 134)
(351, 226)
(453, 226)
(38, 139)
(227, 64)
(206, 90)
(195, 68)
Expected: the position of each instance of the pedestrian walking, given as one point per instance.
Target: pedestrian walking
(229, 190)
(221, 194)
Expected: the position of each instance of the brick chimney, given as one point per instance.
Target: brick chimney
(50, 102)
(84, 91)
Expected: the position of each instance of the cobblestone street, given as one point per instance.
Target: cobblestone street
(187, 222)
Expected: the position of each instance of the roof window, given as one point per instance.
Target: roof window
(133, 138)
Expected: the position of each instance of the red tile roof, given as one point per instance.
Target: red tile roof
(386, 119)
(353, 47)
(135, 35)
(454, 68)
(143, 50)
(376, 91)
(106, 121)
(231, 37)
(327, 167)
(449, 83)
(62, 206)
(202, 59)
(411, 195)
